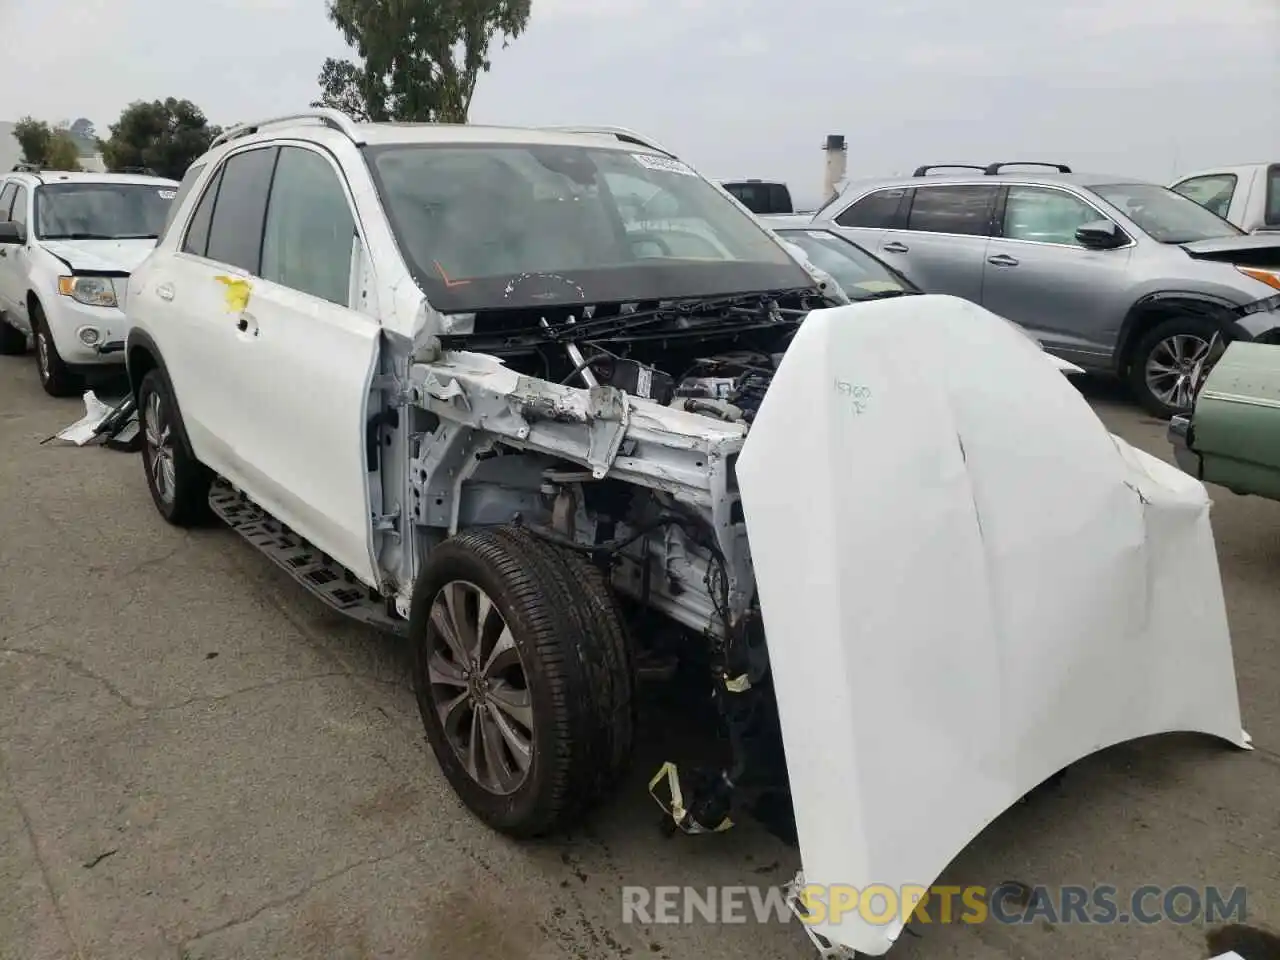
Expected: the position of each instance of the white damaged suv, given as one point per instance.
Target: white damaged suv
(68, 242)
(557, 409)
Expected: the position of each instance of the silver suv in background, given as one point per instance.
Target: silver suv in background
(1116, 275)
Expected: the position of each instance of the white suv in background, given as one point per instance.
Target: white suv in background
(1247, 195)
(68, 242)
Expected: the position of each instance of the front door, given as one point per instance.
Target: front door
(1038, 275)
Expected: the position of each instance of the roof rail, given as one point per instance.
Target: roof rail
(923, 171)
(138, 171)
(992, 169)
(333, 119)
(620, 133)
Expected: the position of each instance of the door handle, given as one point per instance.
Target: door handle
(1002, 260)
(4, 253)
(165, 291)
(895, 247)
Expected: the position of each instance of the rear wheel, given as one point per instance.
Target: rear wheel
(1166, 364)
(523, 677)
(55, 377)
(179, 483)
(13, 342)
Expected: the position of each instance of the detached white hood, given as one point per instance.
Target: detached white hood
(107, 256)
(967, 584)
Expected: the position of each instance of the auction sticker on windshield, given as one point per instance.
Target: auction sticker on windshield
(167, 194)
(667, 164)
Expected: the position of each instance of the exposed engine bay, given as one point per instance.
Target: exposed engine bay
(671, 558)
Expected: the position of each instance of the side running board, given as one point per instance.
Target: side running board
(324, 578)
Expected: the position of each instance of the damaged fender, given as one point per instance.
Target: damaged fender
(967, 585)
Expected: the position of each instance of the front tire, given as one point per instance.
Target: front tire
(524, 678)
(178, 482)
(55, 377)
(1162, 374)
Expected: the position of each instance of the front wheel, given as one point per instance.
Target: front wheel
(1166, 364)
(56, 378)
(523, 678)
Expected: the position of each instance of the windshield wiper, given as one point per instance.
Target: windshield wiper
(77, 236)
(885, 294)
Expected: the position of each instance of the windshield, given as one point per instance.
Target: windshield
(101, 211)
(503, 226)
(860, 275)
(1165, 215)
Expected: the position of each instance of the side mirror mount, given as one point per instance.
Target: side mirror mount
(1100, 235)
(13, 234)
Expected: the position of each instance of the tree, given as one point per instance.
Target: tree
(51, 148)
(33, 137)
(63, 153)
(164, 136)
(420, 59)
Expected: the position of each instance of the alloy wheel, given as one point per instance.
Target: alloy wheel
(159, 448)
(479, 687)
(42, 354)
(1173, 368)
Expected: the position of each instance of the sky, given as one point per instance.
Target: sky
(1144, 88)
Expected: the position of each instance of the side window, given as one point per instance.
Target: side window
(20, 203)
(1045, 215)
(197, 240)
(1272, 214)
(6, 199)
(309, 228)
(964, 210)
(235, 235)
(1213, 192)
(188, 182)
(877, 210)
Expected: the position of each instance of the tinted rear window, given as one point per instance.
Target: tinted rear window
(964, 210)
(235, 236)
(877, 210)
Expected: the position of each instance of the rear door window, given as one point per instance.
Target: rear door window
(875, 211)
(1213, 192)
(956, 209)
(235, 234)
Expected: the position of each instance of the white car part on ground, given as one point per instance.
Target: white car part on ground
(96, 424)
(967, 585)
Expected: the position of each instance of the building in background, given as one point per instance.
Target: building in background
(10, 152)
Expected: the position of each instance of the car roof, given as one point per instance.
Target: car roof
(1085, 181)
(396, 133)
(67, 176)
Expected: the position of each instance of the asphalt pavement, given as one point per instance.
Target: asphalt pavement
(197, 760)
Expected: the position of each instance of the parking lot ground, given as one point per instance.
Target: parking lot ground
(199, 761)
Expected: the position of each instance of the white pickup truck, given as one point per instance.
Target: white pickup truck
(1247, 194)
(453, 387)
